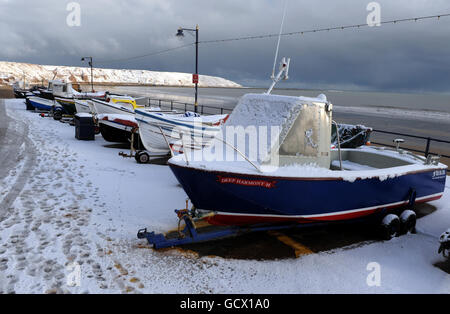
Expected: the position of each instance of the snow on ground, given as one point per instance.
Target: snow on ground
(83, 203)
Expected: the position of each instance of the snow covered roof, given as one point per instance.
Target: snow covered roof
(279, 116)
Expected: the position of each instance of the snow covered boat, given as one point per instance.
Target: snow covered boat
(115, 104)
(41, 103)
(66, 95)
(118, 128)
(47, 93)
(67, 90)
(159, 130)
(21, 93)
(271, 166)
(68, 104)
(297, 177)
(82, 106)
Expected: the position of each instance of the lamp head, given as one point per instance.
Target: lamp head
(180, 33)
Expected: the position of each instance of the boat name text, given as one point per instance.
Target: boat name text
(246, 182)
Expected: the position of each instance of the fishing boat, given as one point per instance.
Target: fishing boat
(271, 166)
(309, 182)
(41, 103)
(82, 106)
(115, 104)
(160, 132)
(21, 93)
(20, 90)
(47, 93)
(118, 128)
(68, 104)
(122, 127)
(66, 95)
(67, 90)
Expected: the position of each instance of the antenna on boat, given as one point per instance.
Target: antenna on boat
(55, 72)
(284, 65)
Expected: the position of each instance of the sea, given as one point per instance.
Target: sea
(416, 114)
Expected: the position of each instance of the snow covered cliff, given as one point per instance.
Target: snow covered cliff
(11, 72)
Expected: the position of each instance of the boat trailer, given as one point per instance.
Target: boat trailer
(133, 150)
(141, 156)
(197, 231)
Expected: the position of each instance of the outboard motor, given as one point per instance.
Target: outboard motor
(444, 240)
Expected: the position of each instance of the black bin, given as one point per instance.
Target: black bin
(84, 127)
(29, 105)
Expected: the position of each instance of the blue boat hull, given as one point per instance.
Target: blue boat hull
(40, 106)
(247, 199)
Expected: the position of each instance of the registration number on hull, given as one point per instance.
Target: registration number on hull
(439, 174)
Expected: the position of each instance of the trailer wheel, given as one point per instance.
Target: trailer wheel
(143, 158)
(408, 221)
(390, 227)
(136, 155)
(57, 115)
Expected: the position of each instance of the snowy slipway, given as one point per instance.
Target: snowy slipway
(64, 201)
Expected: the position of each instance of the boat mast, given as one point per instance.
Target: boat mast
(284, 66)
(283, 73)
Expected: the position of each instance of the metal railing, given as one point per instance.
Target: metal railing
(426, 152)
(208, 110)
(184, 106)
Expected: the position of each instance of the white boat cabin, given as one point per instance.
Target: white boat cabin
(299, 127)
(65, 90)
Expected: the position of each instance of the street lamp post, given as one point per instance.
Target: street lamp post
(92, 71)
(180, 33)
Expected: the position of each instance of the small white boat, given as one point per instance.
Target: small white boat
(161, 132)
(115, 105)
(48, 92)
(66, 90)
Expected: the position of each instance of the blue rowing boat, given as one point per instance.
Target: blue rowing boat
(41, 103)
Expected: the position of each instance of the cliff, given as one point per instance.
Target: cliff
(11, 72)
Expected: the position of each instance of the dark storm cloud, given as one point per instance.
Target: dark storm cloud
(410, 56)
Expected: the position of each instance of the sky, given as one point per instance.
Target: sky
(413, 56)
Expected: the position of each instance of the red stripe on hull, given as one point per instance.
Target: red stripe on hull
(240, 220)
